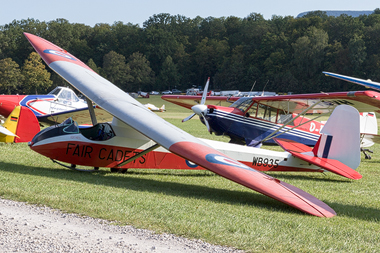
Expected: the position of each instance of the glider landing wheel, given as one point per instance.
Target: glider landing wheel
(74, 167)
(115, 170)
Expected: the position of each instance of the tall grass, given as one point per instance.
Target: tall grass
(200, 204)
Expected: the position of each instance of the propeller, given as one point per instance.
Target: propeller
(200, 109)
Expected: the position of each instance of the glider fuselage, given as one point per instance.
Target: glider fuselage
(110, 144)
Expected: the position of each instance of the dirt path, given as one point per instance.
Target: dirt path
(28, 228)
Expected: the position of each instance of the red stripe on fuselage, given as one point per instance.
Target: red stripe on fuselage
(98, 155)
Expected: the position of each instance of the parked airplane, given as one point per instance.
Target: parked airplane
(255, 120)
(155, 108)
(20, 126)
(55, 107)
(135, 129)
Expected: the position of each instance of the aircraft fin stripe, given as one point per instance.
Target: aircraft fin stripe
(326, 150)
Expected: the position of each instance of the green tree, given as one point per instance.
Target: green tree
(232, 75)
(141, 72)
(209, 57)
(168, 77)
(36, 77)
(357, 53)
(93, 66)
(309, 52)
(10, 76)
(344, 27)
(116, 70)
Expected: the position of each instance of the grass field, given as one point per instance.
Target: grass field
(200, 204)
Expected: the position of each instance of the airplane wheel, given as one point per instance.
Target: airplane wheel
(114, 170)
(96, 168)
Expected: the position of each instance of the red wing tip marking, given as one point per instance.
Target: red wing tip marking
(250, 178)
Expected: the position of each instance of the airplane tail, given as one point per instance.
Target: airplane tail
(340, 137)
(338, 147)
(162, 109)
(368, 129)
(22, 123)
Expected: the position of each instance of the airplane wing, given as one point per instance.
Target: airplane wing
(188, 101)
(366, 83)
(363, 101)
(125, 108)
(305, 153)
(5, 132)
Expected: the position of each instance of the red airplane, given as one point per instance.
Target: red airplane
(137, 137)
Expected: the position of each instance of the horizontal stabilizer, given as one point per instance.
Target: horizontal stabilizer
(6, 132)
(305, 153)
(373, 138)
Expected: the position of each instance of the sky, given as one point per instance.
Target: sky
(91, 12)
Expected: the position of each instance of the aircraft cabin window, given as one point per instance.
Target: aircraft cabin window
(55, 91)
(252, 111)
(99, 132)
(284, 117)
(240, 101)
(74, 97)
(242, 104)
(267, 113)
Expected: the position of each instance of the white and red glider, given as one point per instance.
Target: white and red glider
(136, 124)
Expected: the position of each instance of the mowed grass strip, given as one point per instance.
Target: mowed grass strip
(202, 205)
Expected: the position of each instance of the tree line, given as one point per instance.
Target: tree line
(281, 54)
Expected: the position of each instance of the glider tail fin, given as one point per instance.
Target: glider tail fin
(340, 137)
(23, 123)
(162, 109)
